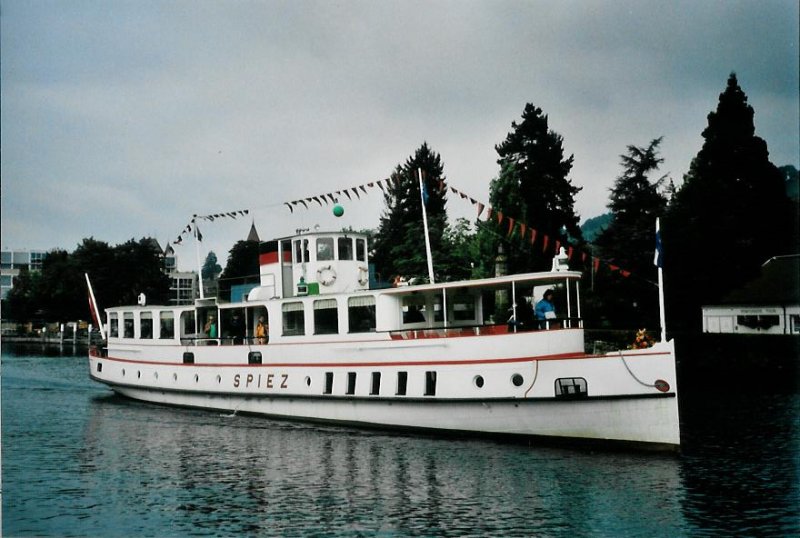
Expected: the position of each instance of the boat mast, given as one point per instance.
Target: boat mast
(659, 263)
(425, 226)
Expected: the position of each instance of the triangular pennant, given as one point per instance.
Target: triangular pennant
(363, 188)
(304, 203)
(533, 236)
(522, 229)
(510, 226)
(625, 273)
(291, 209)
(545, 242)
(480, 209)
(596, 264)
(499, 215)
(355, 190)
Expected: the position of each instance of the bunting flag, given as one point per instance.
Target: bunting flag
(525, 231)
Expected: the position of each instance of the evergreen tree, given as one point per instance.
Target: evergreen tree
(242, 267)
(730, 215)
(399, 243)
(533, 186)
(211, 267)
(628, 240)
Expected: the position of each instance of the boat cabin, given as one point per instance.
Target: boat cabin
(316, 287)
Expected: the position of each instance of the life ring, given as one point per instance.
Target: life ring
(326, 275)
(363, 275)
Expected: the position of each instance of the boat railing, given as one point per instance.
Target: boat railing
(485, 330)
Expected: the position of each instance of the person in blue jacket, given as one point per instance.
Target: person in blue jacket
(545, 309)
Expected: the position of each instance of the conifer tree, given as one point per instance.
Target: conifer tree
(399, 243)
(635, 202)
(533, 186)
(730, 215)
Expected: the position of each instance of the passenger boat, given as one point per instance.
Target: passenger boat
(429, 357)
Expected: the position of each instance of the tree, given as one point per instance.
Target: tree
(242, 267)
(398, 248)
(629, 238)
(730, 215)
(211, 268)
(533, 186)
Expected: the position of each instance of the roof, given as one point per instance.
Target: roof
(253, 235)
(778, 283)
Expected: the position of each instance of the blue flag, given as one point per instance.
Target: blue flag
(658, 259)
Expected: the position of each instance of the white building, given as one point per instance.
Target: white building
(13, 261)
(769, 304)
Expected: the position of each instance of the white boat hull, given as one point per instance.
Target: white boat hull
(623, 401)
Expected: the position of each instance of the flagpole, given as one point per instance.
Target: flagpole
(661, 308)
(425, 225)
(95, 311)
(197, 239)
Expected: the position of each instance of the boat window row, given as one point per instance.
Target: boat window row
(329, 249)
(359, 316)
(399, 383)
(210, 325)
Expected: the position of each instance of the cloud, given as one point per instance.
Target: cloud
(125, 118)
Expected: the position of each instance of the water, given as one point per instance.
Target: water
(79, 461)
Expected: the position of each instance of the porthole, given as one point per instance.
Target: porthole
(196, 378)
(478, 380)
(139, 374)
(308, 381)
(219, 379)
(99, 366)
(123, 372)
(517, 380)
(174, 377)
(155, 374)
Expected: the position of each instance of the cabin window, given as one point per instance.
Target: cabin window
(324, 249)
(351, 383)
(402, 383)
(375, 386)
(293, 319)
(361, 314)
(301, 250)
(438, 311)
(187, 323)
(188, 357)
(146, 325)
(233, 325)
(113, 325)
(361, 250)
(758, 322)
(571, 387)
(127, 325)
(254, 357)
(430, 383)
(326, 318)
(794, 323)
(328, 383)
(167, 322)
(414, 309)
(463, 307)
(345, 248)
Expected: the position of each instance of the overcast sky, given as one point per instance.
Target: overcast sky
(122, 119)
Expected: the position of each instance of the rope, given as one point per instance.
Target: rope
(632, 374)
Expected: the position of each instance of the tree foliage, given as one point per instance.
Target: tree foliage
(636, 200)
(118, 274)
(399, 243)
(730, 215)
(533, 186)
(242, 267)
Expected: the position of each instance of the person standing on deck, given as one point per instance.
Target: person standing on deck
(545, 309)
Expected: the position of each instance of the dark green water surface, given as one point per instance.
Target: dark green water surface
(79, 461)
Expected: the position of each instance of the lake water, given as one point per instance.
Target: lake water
(79, 461)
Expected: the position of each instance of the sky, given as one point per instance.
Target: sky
(122, 119)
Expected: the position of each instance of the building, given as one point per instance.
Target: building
(769, 304)
(183, 284)
(13, 261)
